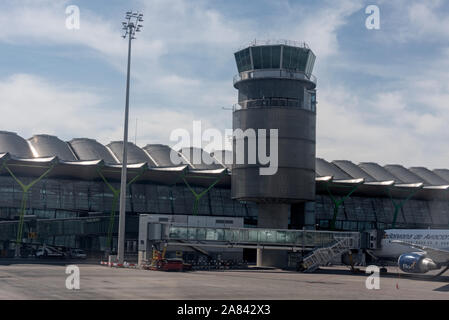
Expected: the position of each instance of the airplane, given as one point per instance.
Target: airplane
(416, 250)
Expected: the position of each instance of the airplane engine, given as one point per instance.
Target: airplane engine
(416, 263)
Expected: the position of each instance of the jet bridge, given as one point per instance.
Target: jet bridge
(254, 238)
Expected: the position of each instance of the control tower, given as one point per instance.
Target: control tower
(276, 90)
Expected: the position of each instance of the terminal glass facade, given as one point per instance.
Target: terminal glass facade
(76, 213)
(360, 213)
(60, 198)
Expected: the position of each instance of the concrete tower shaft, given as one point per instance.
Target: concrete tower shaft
(276, 90)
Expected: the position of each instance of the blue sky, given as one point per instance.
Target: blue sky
(383, 95)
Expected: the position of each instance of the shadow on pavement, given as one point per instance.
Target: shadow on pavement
(444, 288)
(18, 261)
(361, 273)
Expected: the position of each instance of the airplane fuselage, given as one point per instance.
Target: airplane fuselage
(438, 239)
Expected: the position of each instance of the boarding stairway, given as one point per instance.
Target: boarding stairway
(323, 255)
(196, 248)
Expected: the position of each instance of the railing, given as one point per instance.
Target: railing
(303, 238)
(275, 73)
(273, 102)
(273, 42)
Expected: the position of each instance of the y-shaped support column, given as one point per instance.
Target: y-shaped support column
(116, 195)
(338, 203)
(398, 205)
(25, 189)
(198, 196)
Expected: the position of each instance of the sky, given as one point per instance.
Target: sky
(383, 95)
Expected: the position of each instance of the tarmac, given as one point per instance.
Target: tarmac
(48, 281)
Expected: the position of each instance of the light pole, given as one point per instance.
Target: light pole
(130, 26)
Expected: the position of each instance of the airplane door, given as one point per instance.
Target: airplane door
(371, 239)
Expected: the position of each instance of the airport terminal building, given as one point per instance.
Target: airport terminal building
(66, 192)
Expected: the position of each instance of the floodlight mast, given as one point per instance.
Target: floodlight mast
(130, 27)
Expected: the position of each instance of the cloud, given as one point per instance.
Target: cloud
(427, 21)
(171, 28)
(181, 23)
(183, 65)
(403, 124)
(398, 112)
(318, 26)
(43, 23)
(32, 105)
(414, 21)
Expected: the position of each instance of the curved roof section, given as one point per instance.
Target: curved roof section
(443, 173)
(200, 159)
(15, 145)
(353, 170)
(160, 154)
(404, 174)
(44, 145)
(324, 168)
(91, 149)
(428, 176)
(377, 172)
(135, 154)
